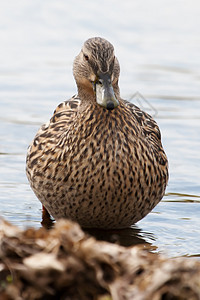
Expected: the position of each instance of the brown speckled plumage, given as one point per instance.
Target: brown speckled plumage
(100, 166)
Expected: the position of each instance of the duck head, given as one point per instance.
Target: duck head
(96, 71)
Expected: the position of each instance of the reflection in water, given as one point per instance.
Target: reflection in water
(192, 256)
(124, 237)
(182, 198)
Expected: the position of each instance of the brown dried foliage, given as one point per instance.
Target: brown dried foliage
(64, 263)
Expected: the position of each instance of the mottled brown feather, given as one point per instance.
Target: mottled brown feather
(99, 167)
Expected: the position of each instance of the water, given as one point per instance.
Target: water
(158, 46)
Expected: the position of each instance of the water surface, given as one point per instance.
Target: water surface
(158, 47)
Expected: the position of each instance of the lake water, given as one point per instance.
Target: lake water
(158, 46)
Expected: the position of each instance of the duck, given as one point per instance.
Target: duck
(99, 161)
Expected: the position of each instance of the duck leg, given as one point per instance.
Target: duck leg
(47, 222)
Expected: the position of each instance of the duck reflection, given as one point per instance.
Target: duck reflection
(125, 237)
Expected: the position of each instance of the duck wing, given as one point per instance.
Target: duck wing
(66, 109)
(149, 130)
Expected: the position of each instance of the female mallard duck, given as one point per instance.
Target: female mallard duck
(99, 161)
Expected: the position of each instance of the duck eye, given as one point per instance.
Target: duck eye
(86, 57)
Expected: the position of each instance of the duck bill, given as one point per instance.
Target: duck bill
(105, 95)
